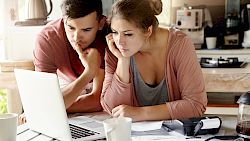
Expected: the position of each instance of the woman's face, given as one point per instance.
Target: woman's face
(128, 38)
(81, 32)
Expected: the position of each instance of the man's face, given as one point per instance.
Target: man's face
(81, 32)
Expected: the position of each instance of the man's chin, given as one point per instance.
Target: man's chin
(80, 47)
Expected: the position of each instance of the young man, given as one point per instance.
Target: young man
(73, 47)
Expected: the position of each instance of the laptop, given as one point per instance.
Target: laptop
(45, 110)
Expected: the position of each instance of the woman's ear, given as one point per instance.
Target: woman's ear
(102, 22)
(149, 31)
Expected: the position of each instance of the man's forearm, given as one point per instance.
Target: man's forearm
(74, 89)
(86, 103)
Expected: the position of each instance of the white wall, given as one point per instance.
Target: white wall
(179, 3)
(20, 40)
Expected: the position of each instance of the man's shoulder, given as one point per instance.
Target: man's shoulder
(53, 28)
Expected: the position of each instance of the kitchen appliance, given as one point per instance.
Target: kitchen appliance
(245, 19)
(233, 30)
(192, 20)
(233, 62)
(189, 18)
(243, 120)
(36, 13)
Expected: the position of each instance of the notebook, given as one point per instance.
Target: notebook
(45, 111)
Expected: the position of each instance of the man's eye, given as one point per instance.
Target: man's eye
(70, 28)
(87, 29)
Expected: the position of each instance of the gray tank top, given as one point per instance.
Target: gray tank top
(148, 95)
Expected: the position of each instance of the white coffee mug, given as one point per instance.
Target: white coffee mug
(118, 129)
(8, 126)
(211, 42)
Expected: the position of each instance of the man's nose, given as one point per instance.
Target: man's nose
(77, 36)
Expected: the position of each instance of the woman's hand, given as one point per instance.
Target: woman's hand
(112, 47)
(136, 113)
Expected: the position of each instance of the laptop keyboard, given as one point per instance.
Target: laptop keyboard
(79, 132)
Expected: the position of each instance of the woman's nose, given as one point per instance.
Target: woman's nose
(121, 40)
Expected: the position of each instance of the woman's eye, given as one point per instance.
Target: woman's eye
(128, 34)
(113, 32)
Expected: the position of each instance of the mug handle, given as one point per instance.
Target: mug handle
(51, 7)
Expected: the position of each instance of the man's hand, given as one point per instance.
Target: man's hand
(22, 119)
(90, 59)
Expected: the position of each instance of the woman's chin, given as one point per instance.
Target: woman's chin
(126, 55)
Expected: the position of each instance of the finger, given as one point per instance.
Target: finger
(91, 51)
(79, 50)
(109, 40)
(111, 45)
(115, 111)
(87, 50)
(109, 36)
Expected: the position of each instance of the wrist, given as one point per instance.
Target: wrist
(122, 70)
(89, 72)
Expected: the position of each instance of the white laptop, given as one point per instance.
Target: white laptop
(45, 111)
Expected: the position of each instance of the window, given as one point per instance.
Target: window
(1, 31)
(8, 14)
(164, 17)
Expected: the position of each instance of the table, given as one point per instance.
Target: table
(228, 126)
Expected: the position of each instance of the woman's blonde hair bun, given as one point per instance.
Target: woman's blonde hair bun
(156, 6)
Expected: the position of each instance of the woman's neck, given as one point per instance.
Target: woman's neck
(155, 44)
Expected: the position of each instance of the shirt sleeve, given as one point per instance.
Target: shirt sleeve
(44, 55)
(189, 82)
(114, 91)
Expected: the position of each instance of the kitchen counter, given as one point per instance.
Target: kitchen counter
(227, 79)
(224, 51)
(243, 54)
(224, 83)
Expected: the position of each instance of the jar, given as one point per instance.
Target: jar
(243, 120)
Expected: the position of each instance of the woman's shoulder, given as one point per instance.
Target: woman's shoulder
(172, 33)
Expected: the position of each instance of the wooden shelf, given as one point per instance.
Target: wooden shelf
(222, 109)
(223, 105)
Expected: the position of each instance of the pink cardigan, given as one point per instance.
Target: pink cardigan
(186, 88)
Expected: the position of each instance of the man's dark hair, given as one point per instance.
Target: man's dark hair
(79, 8)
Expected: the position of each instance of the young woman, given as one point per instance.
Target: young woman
(151, 73)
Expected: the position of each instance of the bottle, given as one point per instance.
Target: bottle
(243, 120)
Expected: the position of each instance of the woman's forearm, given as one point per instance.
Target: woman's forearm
(122, 69)
(157, 112)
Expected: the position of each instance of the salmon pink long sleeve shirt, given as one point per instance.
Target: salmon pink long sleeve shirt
(185, 84)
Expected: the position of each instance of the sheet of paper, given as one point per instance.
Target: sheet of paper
(146, 126)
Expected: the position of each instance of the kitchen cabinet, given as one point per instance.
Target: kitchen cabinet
(226, 82)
